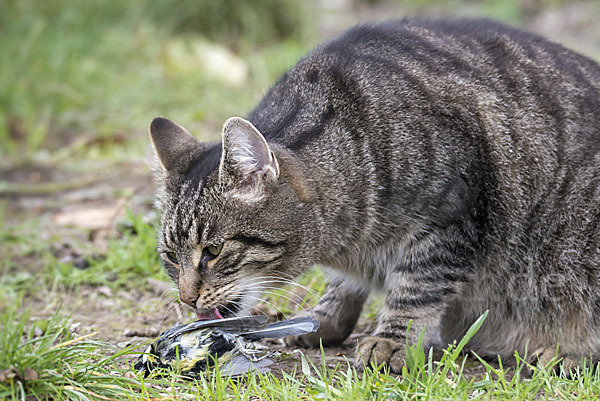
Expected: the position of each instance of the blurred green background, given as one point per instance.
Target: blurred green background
(101, 69)
(104, 67)
(81, 80)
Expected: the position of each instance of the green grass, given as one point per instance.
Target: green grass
(56, 364)
(106, 67)
(129, 259)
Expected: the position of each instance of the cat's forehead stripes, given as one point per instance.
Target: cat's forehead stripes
(190, 213)
(186, 208)
(181, 217)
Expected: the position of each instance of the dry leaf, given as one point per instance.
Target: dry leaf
(159, 287)
(95, 216)
(30, 374)
(129, 375)
(7, 375)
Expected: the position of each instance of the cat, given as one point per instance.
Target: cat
(452, 164)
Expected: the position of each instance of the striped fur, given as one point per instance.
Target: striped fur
(452, 164)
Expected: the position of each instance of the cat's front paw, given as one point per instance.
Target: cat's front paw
(328, 334)
(380, 350)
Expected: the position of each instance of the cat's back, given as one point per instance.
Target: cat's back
(472, 48)
(382, 69)
(401, 111)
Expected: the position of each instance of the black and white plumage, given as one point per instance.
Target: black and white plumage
(227, 342)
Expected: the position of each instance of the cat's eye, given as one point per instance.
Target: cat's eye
(172, 257)
(214, 250)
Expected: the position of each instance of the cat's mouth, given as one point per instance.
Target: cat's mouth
(220, 312)
(210, 315)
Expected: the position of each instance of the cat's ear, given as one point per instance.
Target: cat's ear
(174, 145)
(247, 162)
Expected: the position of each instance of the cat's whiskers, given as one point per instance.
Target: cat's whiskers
(275, 279)
(166, 291)
(278, 292)
(238, 294)
(292, 280)
(172, 306)
(263, 287)
(238, 291)
(282, 291)
(246, 305)
(300, 306)
(234, 313)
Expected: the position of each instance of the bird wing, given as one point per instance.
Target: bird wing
(240, 365)
(236, 324)
(292, 327)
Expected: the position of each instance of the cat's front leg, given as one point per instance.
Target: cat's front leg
(407, 299)
(337, 312)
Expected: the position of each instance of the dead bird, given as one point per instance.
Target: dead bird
(227, 342)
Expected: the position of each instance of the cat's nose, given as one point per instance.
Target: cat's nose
(189, 288)
(188, 299)
(188, 294)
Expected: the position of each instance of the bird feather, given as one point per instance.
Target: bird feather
(238, 324)
(292, 327)
(240, 365)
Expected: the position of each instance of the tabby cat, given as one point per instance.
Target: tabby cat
(453, 165)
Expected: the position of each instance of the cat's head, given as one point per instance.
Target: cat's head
(236, 216)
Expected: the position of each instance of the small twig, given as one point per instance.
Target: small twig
(75, 340)
(83, 390)
(141, 333)
(17, 188)
(121, 204)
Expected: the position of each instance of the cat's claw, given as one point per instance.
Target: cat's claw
(379, 351)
